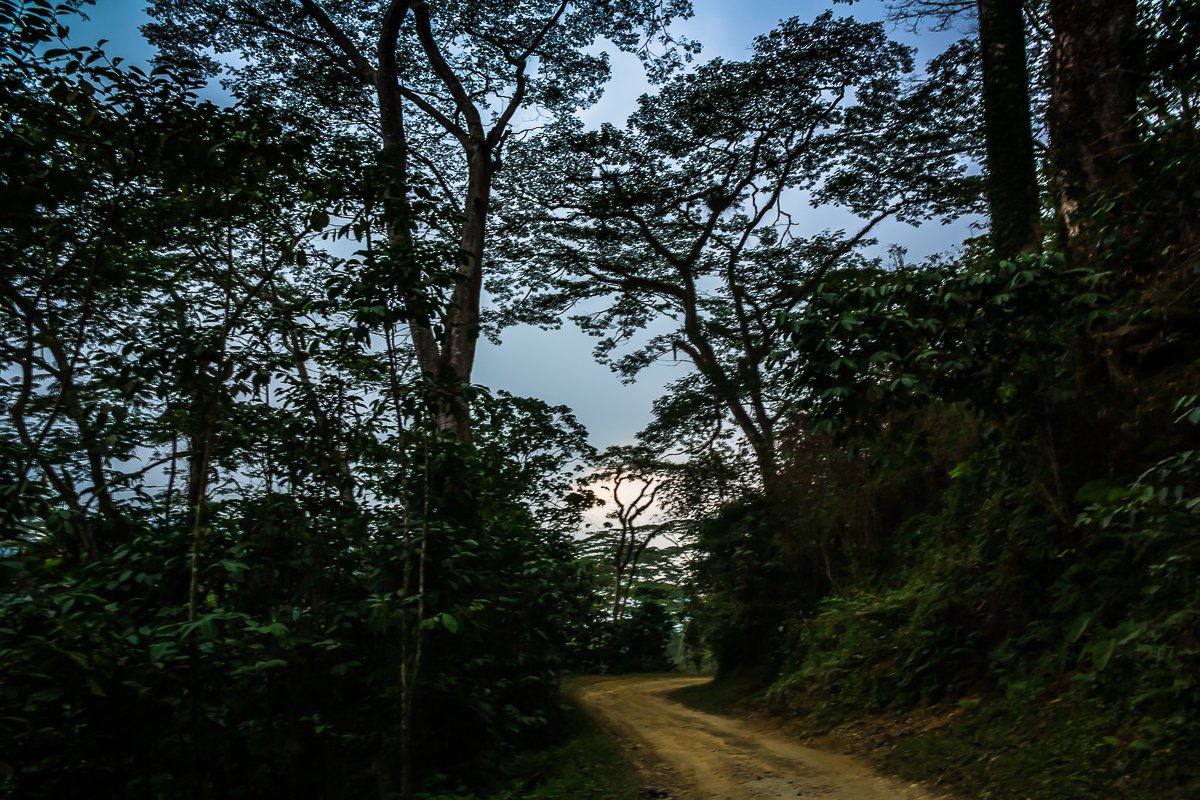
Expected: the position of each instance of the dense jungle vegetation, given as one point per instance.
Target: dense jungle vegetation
(263, 536)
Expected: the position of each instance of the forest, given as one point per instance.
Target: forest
(264, 535)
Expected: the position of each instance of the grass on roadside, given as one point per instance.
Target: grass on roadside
(588, 764)
(1065, 748)
(715, 698)
(1044, 746)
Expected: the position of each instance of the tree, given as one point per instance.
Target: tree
(542, 449)
(240, 557)
(1094, 80)
(1014, 207)
(440, 87)
(1012, 187)
(631, 478)
(129, 191)
(687, 214)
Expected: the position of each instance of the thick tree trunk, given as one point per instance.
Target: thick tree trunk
(1011, 180)
(1093, 96)
(449, 362)
(461, 333)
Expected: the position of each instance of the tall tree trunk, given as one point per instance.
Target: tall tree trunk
(449, 362)
(1093, 96)
(461, 333)
(432, 355)
(1011, 180)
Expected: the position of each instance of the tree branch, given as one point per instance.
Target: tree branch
(339, 37)
(442, 69)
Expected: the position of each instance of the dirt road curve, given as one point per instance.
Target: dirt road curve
(691, 755)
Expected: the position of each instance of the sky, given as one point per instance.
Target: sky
(557, 366)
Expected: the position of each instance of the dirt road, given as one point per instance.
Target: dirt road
(691, 755)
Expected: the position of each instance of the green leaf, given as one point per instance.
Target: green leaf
(825, 426)
(1102, 653)
(450, 622)
(883, 356)
(272, 663)
(160, 650)
(275, 629)
(1078, 627)
(1102, 492)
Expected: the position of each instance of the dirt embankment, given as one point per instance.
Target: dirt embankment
(691, 755)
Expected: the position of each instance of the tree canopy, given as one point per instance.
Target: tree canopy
(690, 212)
(261, 535)
(440, 87)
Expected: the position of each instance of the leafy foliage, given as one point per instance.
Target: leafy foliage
(984, 500)
(687, 220)
(261, 536)
(239, 558)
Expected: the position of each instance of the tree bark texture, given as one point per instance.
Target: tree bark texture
(1093, 96)
(461, 334)
(1012, 179)
(448, 361)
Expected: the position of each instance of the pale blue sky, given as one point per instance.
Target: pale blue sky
(557, 366)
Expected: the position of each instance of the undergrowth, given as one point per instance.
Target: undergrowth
(587, 763)
(1066, 662)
